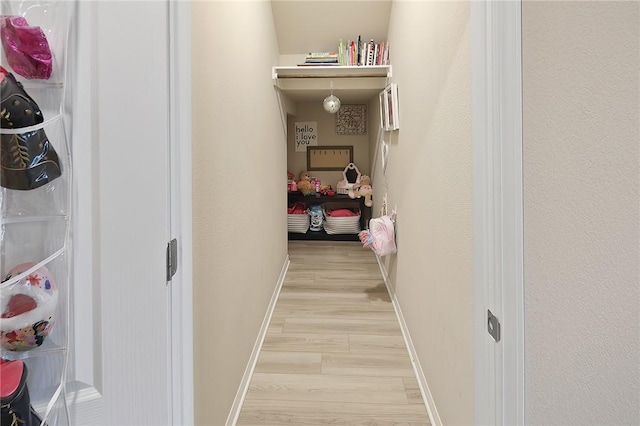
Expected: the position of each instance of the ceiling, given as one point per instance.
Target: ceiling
(304, 26)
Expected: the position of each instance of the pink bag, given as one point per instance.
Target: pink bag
(26, 48)
(380, 236)
(383, 235)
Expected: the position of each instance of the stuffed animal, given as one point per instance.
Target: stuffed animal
(327, 190)
(304, 185)
(363, 190)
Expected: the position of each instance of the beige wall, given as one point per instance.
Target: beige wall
(429, 179)
(239, 172)
(581, 184)
(313, 111)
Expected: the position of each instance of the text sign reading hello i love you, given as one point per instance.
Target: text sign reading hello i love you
(306, 135)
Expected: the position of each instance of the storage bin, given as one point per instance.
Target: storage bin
(298, 223)
(342, 225)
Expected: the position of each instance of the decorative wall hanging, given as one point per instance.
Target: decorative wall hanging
(389, 98)
(306, 134)
(329, 157)
(384, 151)
(384, 125)
(331, 103)
(352, 120)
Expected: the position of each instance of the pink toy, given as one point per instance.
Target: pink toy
(364, 189)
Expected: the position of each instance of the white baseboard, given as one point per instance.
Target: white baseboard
(429, 403)
(251, 365)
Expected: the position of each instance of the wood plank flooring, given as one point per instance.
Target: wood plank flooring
(334, 352)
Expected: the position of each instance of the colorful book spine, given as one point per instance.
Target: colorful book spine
(371, 52)
(355, 53)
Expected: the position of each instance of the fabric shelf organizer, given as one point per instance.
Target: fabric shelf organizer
(298, 218)
(342, 221)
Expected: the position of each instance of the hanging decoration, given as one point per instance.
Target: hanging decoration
(331, 103)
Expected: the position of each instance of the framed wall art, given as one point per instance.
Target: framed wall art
(351, 120)
(382, 100)
(329, 157)
(391, 112)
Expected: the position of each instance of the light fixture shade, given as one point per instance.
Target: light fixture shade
(331, 104)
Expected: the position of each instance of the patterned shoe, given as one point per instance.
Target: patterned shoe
(27, 160)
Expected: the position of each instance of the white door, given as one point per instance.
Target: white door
(123, 311)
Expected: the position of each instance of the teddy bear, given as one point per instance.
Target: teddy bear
(304, 185)
(363, 190)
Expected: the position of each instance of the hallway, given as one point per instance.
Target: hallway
(334, 352)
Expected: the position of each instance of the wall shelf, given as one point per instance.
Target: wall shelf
(350, 83)
(331, 71)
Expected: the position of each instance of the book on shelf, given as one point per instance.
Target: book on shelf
(351, 53)
(358, 52)
(322, 56)
(321, 60)
(319, 64)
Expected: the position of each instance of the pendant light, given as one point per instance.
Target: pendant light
(331, 103)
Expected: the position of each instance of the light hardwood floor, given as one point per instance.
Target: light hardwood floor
(334, 352)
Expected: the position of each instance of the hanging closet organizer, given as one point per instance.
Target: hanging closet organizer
(35, 199)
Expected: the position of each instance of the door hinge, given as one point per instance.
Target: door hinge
(493, 326)
(172, 258)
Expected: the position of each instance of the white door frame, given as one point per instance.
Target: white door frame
(498, 211)
(181, 310)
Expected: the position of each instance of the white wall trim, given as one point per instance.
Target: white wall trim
(427, 398)
(181, 310)
(509, 36)
(484, 350)
(497, 210)
(253, 359)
